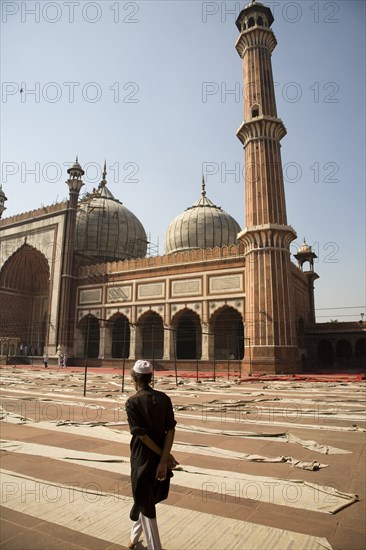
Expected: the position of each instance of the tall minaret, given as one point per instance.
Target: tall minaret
(75, 184)
(269, 315)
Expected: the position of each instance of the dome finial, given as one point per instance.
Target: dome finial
(103, 183)
(304, 248)
(203, 186)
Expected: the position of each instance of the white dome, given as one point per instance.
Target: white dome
(203, 225)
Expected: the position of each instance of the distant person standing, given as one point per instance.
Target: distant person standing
(151, 419)
(65, 360)
(45, 360)
(60, 361)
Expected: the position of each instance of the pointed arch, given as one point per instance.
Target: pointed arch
(90, 330)
(121, 336)
(188, 334)
(227, 326)
(26, 270)
(360, 352)
(152, 335)
(343, 352)
(24, 292)
(325, 353)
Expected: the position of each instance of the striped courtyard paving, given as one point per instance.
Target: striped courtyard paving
(265, 464)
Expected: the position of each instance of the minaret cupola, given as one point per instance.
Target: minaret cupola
(254, 14)
(76, 173)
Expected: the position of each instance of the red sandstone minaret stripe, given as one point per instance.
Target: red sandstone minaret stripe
(269, 312)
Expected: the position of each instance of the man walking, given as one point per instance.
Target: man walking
(152, 425)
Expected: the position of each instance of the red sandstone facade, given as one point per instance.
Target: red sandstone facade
(245, 307)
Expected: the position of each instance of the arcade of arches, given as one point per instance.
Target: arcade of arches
(342, 353)
(150, 338)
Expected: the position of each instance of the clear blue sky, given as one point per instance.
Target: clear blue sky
(146, 85)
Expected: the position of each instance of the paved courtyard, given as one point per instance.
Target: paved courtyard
(264, 464)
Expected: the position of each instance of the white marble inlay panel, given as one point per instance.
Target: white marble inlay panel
(92, 296)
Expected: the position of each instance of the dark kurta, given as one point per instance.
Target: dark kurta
(149, 412)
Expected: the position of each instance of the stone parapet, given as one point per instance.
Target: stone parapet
(192, 256)
(33, 214)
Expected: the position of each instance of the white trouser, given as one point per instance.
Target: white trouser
(150, 528)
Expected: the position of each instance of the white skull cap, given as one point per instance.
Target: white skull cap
(142, 367)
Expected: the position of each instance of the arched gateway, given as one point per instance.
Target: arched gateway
(24, 291)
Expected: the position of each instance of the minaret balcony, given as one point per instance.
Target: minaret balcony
(262, 127)
(255, 37)
(269, 236)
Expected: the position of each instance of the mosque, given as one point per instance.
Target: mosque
(76, 277)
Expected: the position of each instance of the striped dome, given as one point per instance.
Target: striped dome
(106, 230)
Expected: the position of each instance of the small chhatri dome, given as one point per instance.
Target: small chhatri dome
(76, 171)
(304, 255)
(202, 225)
(304, 248)
(105, 229)
(254, 13)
